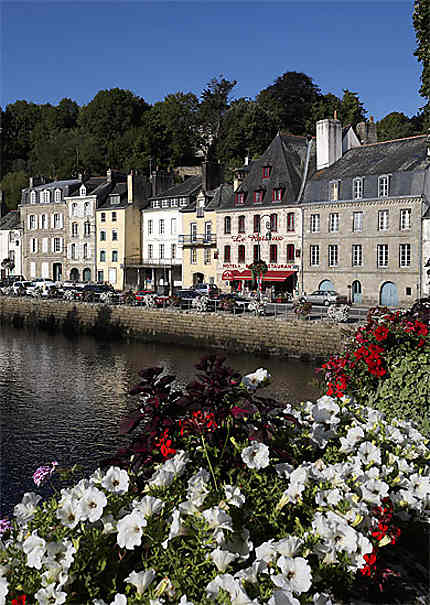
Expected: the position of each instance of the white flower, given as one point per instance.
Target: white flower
(288, 546)
(226, 582)
(92, 504)
(50, 595)
(259, 378)
(216, 518)
(284, 469)
(130, 530)
(240, 544)
(141, 580)
(177, 464)
(4, 585)
(177, 528)
(296, 574)
(148, 506)
(234, 496)
(325, 410)
(116, 480)
(109, 524)
(321, 434)
(266, 551)
(34, 547)
(256, 455)
(184, 600)
(353, 436)
(322, 599)
(26, 509)
(161, 478)
(222, 558)
(373, 491)
(282, 597)
(68, 512)
(120, 599)
(369, 453)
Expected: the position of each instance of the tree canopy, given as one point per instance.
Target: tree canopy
(421, 21)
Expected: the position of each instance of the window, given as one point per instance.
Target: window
(33, 197)
(315, 223)
(227, 254)
(405, 255)
(383, 220)
(333, 255)
(161, 251)
(103, 217)
(161, 226)
(114, 256)
(100, 276)
(114, 199)
(156, 204)
(32, 221)
(290, 252)
(405, 219)
(58, 222)
(83, 190)
(112, 275)
(383, 185)
(164, 203)
(85, 252)
(193, 253)
(102, 256)
(150, 227)
(87, 209)
(114, 235)
(208, 231)
(200, 212)
(266, 171)
(290, 221)
(315, 255)
(227, 224)
(46, 197)
(240, 197)
(74, 209)
(173, 225)
(357, 188)
(258, 196)
(87, 228)
(32, 269)
(102, 236)
(241, 254)
(45, 244)
(57, 244)
(256, 253)
(193, 231)
(274, 222)
(57, 195)
(114, 217)
(257, 223)
(207, 256)
(184, 201)
(74, 229)
(73, 251)
(333, 222)
(334, 188)
(150, 251)
(173, 251)
(277, 195)
(241, 224)
(273, 253)
(33, 244)
(174, 202)
(382, 255)
(357, 221)
(357, 255)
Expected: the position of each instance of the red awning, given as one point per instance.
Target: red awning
(246, 274)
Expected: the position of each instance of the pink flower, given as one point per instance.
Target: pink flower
(43, 472)
(5, 525)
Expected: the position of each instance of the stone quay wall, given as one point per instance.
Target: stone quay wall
(263, 336)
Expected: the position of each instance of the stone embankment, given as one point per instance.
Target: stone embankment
(262, 336)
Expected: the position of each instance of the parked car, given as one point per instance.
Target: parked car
(140, 295)
(93, 292)
(40, 287)
(325, 297)
(207, 289)
(184, 298)
(19, 288)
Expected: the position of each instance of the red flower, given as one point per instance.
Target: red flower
(20, 600)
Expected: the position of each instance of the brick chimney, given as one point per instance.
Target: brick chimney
(366, 132)
(329, 142)
(161, 181)
(212, 175)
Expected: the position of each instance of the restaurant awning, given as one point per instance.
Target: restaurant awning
(246, 274)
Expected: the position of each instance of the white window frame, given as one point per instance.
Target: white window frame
(85, 251)
(333, 255)
(357, 221)
(174, 203)
(193, 256)
(114, 235)
(75, 229)
(382, 255)
(156, 204)
(164, 203)
(161, 251)
(150, 226)
(193, 232)
(315, 224)
(114, 256)
(334, 190)
(32, 222)
(150, 251)
(384, 185)
(33, 197)
(57, 244)
(357, 255)
(46, 196)
(87, 209)
(405, 219)
(404, 255)
(357, 188)
(383, 220)
(57, 197)
(173, 225)
(314, 255)
(102, 256)
(161, 226)
(333, 222)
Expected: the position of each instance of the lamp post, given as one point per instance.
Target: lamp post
(269, 237)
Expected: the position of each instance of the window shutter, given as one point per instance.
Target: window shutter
(28, 222)
(36, 242)
(52, 221)
(52, 244)
(61, 221)
(61, 240)
(45, 244)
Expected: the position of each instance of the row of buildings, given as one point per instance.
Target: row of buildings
(338, 211)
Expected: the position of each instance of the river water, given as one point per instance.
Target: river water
(63, 399)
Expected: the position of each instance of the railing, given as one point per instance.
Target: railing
(194, 240)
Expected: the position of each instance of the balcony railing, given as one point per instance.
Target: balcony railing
(197, 240)
(137, 261)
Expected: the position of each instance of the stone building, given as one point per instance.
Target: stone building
(363, 212)
(11, 244)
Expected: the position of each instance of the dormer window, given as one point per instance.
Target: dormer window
(357, 188)
(240, 197)
(258, 196)
(83, 190)
(384, 185)
(58, 195)
(174, 202)
(266, 171)
(164, 203)
(184, 201)
(277, 194)
(334, 190)
(45, 196)
(155, 204)
(114, 199)
(33, 197)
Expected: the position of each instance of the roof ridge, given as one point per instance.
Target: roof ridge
(416, 136)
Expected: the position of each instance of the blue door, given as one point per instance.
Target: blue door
(389, 296)
(326, 285)
(356, 292)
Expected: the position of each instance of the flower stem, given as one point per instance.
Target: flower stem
(209, 462)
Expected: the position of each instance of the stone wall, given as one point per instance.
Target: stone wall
(266, 336)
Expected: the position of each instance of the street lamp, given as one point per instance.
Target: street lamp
(269, 237)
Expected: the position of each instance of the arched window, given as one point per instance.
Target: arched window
(46, 196)
(83, 190)
(33, 197)
(87, 208)
(227, 224)
(290, 221)
(73, 251)
(74, 209)
(241, 254)
(241, 224)
(85, 250)
(58, 195)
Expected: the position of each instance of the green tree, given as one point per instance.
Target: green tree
(12, 184)
(395, 125)
(67, 114)
(213, 105)
(352, 109)
(325, 107)
(290, 101)
(19, 119)
(421, 21)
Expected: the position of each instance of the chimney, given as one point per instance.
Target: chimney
(109, 175)
(30, 182)
(130, 187)
(212, 175)
(329, 142)
(367, 132)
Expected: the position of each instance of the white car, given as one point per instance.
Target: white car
(18, 287)
(325, 297)
(40, 287)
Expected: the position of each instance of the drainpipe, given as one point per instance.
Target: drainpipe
(302, 250)
(420, 250)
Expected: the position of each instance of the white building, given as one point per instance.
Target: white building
(11, 243)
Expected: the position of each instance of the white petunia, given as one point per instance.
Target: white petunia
(177, 528)
(370, 454)
(68, 512)
(130, 530)
(373, 491)
(322, 599)
(116, 480)
(295, 572)
(177, 464)
(34, 547)
(257, 379)
(234, 496)
(91, 505)
(282, 597)
(141, 580)
(325, 410)
(353, 436)
(266, 551)
(256, 455)
(50, 595)
(288, 546)
(222, 558)
(4, 584)
(26, 509)
(184, 600)
(216, 518)
(161, 478)
(148, 506)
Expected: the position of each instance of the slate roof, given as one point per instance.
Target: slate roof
(188, 187)
(113, 189)
(92, 184)
(55, 185)
(379, 158)
(214, 198)
(11, 220)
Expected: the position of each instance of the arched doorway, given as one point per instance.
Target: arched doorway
(74, 274)
(389, 296)
(326, 285)
(198, 278)
(57, 271)
(86, 274)
(356, 292)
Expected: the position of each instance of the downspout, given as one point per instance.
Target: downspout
(420, 250)
(299, 199)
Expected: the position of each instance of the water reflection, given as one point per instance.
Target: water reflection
(62, 400)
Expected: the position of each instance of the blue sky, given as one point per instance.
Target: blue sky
(51, 50)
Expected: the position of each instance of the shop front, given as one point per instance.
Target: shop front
(279, 281)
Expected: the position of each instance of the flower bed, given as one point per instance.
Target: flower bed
(228, 498)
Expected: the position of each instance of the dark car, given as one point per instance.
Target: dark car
(184, 298)
(93, 292)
